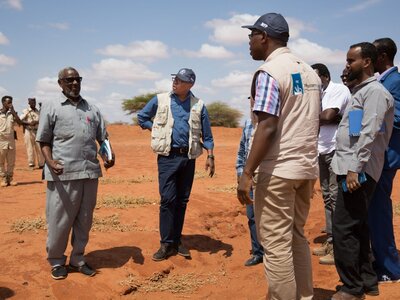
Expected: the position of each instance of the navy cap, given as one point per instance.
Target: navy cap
(273, 24)
(186, 75)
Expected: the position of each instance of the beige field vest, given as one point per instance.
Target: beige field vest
(293, 153)
(163, 122)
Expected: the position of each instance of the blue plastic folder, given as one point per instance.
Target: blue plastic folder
(361, 179)
(355, 120)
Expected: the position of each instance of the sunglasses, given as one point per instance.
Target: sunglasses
(71, 80)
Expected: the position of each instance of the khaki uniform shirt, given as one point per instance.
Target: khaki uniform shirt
(30, 115)
(7, 131)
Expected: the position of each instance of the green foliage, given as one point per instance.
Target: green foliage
(135, 104)
(222, 115)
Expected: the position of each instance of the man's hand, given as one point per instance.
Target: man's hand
(352, 181)
(56, 166)
(243, 189)
(109, 163)
(210, 165)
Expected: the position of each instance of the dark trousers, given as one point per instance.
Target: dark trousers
(256, 248)
(329, 189)
(351, 244)
(380, 218)
(175, 178)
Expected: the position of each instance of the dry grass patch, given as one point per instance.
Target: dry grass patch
(29, 224)
(111, 223)
(124, 201)
(119, 180)
(231, 188)
(396, 209)
(164, 281)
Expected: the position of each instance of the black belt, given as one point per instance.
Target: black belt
(183, 150)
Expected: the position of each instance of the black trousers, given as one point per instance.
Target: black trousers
(351, 243)
(175, 179)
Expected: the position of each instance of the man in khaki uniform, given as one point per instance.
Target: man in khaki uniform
(31, 114)
(7, 142)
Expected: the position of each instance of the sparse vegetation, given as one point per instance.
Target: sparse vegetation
(123, 201)
(164, 281)
(119, 180)
(231, 188)
(28, 224)
(110, 223)
(396, 209)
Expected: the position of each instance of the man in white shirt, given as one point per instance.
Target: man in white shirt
(334, 100)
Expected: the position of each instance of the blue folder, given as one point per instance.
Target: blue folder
(355, 120)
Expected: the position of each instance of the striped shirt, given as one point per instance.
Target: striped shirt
(266, 97)
(244, 146)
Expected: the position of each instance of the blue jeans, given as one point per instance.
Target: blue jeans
(256, 248)
(175, 179)
(380, 219)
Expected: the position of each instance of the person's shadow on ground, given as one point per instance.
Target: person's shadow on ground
(6, 293)
(203, 243)
(115, 257)
(322, 294)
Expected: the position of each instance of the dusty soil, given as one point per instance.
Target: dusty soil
(125, 234)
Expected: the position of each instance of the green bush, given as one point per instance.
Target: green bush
(222, 115)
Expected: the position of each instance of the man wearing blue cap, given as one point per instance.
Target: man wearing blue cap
(180, 122)
(286, 93)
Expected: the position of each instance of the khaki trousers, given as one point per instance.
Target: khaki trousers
(7, 156)
(33, 148)
(281, 210)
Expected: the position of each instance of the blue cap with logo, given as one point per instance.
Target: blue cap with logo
(186, 75)
(273, 24)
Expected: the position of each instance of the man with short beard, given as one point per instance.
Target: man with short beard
(68, 130)
(359, 154)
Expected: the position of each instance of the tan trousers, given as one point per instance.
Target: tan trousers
(7, 156)
(33, 148)
(281, 210)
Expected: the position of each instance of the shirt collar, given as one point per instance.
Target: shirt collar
(384, 74)
(362, 84)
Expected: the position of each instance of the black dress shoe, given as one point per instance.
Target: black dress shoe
(254, 260)
(373, 291)
(84, 269)
(165, 251)
(183, 251)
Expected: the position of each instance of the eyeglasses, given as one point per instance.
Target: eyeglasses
(177, 80)
(253, 33)
(70, 80)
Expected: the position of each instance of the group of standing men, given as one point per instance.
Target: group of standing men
(281, 162)
(353, 131)
(29, 120)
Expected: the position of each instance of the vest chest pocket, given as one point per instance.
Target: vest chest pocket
(161, 116)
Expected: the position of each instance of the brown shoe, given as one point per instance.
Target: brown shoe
(12, 182)
(340, 295)
(4, 182)
(323, 250)
(328, 259)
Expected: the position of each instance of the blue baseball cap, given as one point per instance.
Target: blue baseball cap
(186, 75)
(273, 24)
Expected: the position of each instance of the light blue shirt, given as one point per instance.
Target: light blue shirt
(180, 112)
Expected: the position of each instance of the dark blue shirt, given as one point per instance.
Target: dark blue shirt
(181, 112)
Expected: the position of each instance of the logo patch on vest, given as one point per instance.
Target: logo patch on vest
(297, 83)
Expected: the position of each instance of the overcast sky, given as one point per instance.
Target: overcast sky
(126, 48)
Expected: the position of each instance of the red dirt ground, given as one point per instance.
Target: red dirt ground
(215, 231)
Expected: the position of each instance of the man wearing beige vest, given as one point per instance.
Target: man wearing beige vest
(286, 92)
(31, 115)
(178, 122)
